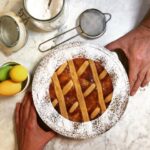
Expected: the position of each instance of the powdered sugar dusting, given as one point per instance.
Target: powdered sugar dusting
(41, 83)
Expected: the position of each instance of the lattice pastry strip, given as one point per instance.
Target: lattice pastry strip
(60, 96)
(69, 85)
(65, 90)
(95, 112)
(108, 98)
(80, 71)
(62, 68)
(74, 107)
(82, 68)
(103, 74)
(88, 91)
(79, 93)
(98, 85)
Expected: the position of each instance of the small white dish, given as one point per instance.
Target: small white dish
(26, 82)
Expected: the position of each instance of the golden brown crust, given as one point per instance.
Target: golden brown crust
(78, 91)
(98, 86)
(81, 89)
(60, 96)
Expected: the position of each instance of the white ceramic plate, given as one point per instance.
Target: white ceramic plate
(42, 80)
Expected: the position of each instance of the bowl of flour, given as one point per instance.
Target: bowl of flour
(45, 14)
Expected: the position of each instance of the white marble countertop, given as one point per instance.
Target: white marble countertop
(132, 132)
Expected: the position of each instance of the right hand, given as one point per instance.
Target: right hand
(136, 46)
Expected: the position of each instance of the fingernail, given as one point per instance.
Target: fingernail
(132, 93)
(131, 85)
(143, 85)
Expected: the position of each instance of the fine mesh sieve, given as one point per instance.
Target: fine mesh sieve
(9, 31)
(91, 24)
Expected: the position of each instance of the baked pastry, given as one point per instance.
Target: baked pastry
(81, 89)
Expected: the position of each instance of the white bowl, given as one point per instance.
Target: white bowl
(41, 83)
(27, 81)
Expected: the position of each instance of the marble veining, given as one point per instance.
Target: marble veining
(132, 132)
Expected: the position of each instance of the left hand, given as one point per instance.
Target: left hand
(136, 46)
(29, 134)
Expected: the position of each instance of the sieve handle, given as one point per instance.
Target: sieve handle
(40, 45)
(108, 16)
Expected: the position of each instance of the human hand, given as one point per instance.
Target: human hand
(136, 46)
(29, 134)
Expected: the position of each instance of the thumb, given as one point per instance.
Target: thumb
(113, 45)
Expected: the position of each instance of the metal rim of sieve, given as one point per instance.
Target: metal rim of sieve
(104, 23)
(2, 39)
(80, 29)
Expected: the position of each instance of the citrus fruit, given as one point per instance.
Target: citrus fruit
(4, 72)
(9, 88)
(18, 73)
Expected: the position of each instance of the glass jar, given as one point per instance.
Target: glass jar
(13, 34)
(46, 14)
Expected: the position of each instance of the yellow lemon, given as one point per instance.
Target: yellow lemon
(9, 88)
(18, 73)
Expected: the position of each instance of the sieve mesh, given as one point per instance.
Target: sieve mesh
(9, 33)
(92, 22)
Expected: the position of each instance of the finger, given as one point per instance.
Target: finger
(138, 82)
(33, 115)
(146, 79)
(20, 114)
(26, 107)
(133, 72)
(17, 116)
(17, 120)
(23, 107)
(113, 45)
(25, 98)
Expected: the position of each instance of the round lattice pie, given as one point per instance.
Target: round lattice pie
(81, 89)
